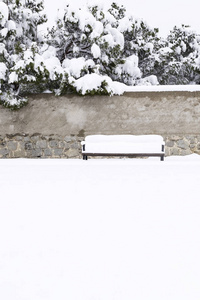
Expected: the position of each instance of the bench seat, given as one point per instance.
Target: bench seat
(123, 145)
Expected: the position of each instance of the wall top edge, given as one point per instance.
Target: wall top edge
(126, 93)
(164, 88)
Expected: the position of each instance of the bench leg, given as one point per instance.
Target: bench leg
(162, 158)
(85, 157)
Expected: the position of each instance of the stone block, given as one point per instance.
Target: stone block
(35, 138)
(58, 152)
(12, 145)
(47, 152)
(62, 145)
(28, 146)
(167, 151)
(4, 152)
(192, 146)
(19, 153)
(191, 139)
(183, 144)
(21, 145)
(67, 146)
(36, 153)
(174, 151)
(52, 137)
(41, 144)
(72, 153)
(186, 152)
(76, 146)
(27, 139)
(2, 144)
(169, 143)
(54, 144)
(19, 138)
(175, 138)
(68, 138)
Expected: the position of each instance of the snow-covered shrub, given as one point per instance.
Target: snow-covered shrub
(149, 80)
(129, 72)
(179, 67)
(95, 49)
(94, 84)
(9, 100)
(19, 20)
(176, 59)
(89, 32)
(103, 40)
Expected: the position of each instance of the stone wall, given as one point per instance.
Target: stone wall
(37, 145)
(54, 146)
(182, 145)
(53, 127)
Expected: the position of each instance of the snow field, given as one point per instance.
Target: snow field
(100, 229)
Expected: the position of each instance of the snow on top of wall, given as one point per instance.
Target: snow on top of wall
(93, 81)
(163, 88)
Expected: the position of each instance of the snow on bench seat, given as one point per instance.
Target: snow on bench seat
(123, 145)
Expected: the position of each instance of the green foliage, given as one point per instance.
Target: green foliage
(100, 90)
(12, 101)
(20, 37)
(117, 11)
(106, 42)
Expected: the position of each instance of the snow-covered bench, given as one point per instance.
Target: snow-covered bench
(123, 145)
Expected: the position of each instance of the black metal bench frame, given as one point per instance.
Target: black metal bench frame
(161, 155)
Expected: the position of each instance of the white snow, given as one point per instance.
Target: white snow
(49, 52)
(11, 25)
(149, 46)
(149, 80)
(3, 13)
(163, 88)
(74, 66)
(13, 77)
(147, 84)
(97, 30)
(125, 24)
(131, 66)
(53, 66)
(90, 82)
(117, 36)
(119, 147)
(123, 144)
(4, 32)
(125, 138)
(96, 51)
(94, 81)
(3, 70)
(2, 48)
(100, 229)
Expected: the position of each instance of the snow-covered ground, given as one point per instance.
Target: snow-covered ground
(100, 229)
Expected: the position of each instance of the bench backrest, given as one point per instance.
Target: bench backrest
(124, 139)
